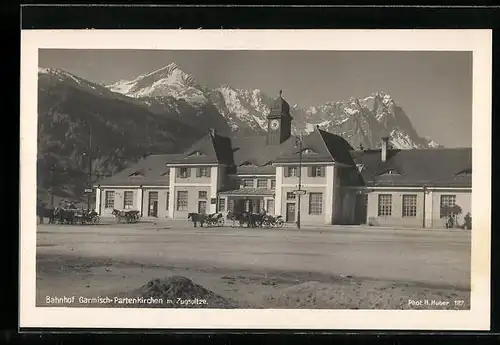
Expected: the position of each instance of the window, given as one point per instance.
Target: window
(291, 172)
(182, 201)
(316, 171)
(261, 183)
(230, 206)
(447, 200)
(290, 196)
(409, 205)
(270, 206)
(222, 205)
(202, 207)
(109, 200)
(128, 199)
(315, 203)
(167, 202)
(248, 183)
(385, 204)
(202, 194)
(184, 172)
(203, 172)
(273, 184)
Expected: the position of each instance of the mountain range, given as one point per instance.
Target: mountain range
(166, 110)
(362, 121)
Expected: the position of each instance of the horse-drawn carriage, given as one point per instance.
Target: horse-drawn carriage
(127, 216)
(253, 220)
(70, 216)
(85, 217)
(213, 219)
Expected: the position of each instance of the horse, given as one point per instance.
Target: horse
(119, 215)
(253, 220)
(236, 217)
(49, 213)
(64, 216)
(197, 217)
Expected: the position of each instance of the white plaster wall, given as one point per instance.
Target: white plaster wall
(279, 191)
(171, 206)
(214, 187)
(98, 200)
(329, 193)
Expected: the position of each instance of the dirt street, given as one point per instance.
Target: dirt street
(338, 267)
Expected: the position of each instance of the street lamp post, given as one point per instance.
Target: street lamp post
(300, 180)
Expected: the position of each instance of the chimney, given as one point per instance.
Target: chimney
(385, 145)
(212, 132)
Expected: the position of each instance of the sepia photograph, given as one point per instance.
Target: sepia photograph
(181, 180)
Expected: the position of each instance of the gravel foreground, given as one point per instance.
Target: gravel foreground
(174, 287)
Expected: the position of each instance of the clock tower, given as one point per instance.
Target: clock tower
(279, 122)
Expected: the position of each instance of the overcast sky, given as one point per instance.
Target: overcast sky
(434, 88)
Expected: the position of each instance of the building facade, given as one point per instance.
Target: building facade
(321, 172)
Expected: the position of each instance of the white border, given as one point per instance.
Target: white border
(478, 41)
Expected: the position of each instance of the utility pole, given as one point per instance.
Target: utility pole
(88, 188)
(300, 180)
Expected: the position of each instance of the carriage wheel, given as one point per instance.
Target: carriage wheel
(280, 223)
(266, 223)
(220, 222)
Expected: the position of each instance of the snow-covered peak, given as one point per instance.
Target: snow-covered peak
(168, 80)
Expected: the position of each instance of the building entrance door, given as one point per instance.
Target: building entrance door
(202, 206)
(290, 212)
(153, 204)
(361, 208)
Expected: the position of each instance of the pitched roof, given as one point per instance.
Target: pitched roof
(434, 167)
(323, 147)
(150, 170)
(201, 152)
(210, 149)
(255, 150)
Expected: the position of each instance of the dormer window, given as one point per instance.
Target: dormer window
(136, 173)
(307, 151)
(196, 153)
(247, 163)
(390, 172)
(465, 172)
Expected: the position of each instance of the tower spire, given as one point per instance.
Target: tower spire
(281, 92)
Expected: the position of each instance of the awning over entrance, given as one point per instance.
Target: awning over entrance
(249, 192)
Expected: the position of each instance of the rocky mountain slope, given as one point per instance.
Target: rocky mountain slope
(123, 130)
(362, 121)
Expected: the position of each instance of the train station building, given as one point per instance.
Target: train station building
(338, 184)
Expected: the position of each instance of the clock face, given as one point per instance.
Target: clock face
(275, 124)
